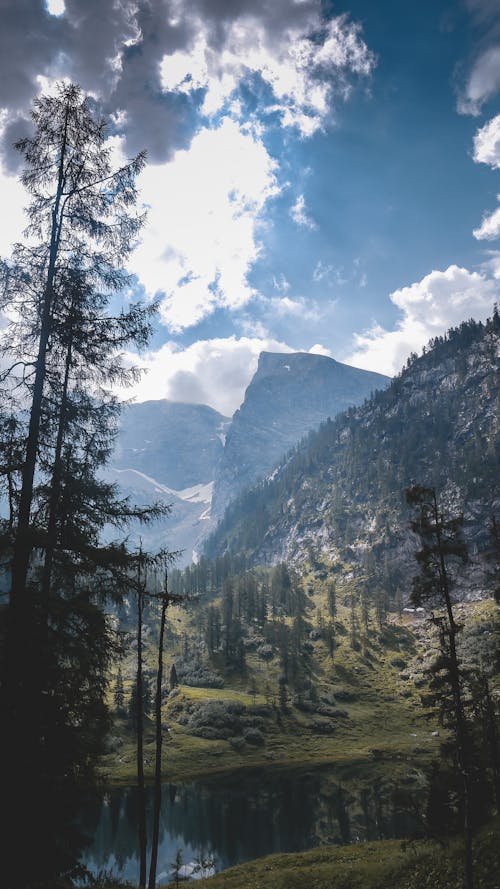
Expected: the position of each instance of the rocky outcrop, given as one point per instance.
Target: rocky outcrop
(289, 395)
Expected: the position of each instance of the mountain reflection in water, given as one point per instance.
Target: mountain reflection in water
(240, 818)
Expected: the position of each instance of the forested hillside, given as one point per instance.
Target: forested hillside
(340, 493)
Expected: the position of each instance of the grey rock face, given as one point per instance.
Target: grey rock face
(289, 395)
(176, 444)
(167, 452)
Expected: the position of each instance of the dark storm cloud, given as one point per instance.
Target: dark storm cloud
(114, 49)
(93, 44)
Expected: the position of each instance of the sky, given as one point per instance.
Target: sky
(321, 176)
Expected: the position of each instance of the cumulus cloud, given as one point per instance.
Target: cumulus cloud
(298, 307)
(300, 214)
(487, 151)
(318, 349)
(163, 61)
(214, 372)
(14, 221)
(171, 75)
(303, 60)
(205, 205)
(489, 230)
(440, 300)
(487, 144)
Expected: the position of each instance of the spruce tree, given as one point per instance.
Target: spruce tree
(442, 545)
(57, 421)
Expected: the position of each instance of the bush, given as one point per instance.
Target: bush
(216, 720)
(237, 743)
(265, 652)
(322, 728)
(399, 662)
(343, 695)
(254, 736)
(198, 675)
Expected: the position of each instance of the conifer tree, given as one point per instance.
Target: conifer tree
(442, 545)
(61, 353)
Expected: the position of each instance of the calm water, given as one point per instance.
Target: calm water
(235, 820)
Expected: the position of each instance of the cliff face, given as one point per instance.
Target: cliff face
(340, 495)
(289, 395)
(167, 451)
(177, 444)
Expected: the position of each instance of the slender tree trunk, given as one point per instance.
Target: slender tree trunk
(157, 788)
(140, 738)
(23, 543)
(55, 489)
(460, 726)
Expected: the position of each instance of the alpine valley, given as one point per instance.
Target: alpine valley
(198, 461)
(305, 670)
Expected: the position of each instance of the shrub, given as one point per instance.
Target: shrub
(254, 736)
(265, 652)
(216, 720)
(198, 675)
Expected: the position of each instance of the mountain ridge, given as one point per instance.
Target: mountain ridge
(290, 394)
(339, 495)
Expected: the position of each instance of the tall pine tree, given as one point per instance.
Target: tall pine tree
(61, 352)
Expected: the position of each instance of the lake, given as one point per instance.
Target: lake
(235, 819)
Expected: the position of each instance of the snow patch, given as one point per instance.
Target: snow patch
(197, 494)
(141, 481)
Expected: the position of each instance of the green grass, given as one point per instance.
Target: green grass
(388, 864)
(385, 718)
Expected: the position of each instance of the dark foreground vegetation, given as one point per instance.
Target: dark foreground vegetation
(389, 864)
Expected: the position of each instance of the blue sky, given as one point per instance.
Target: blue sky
(321, 176)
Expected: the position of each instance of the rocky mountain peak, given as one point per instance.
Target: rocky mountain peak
(289, 395)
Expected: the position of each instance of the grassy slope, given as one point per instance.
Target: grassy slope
(388, 864)
(384, 718)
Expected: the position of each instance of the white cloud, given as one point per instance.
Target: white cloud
(214, 372)
(487, 151)
(318, 349)
(489, 229)
(492, 265)
(304, 61)
(55, 7)
(298, 307)
(280, 283)
(329, 274)
(201, 236)
(439, 301)
(300, 215)
(483, 82)
(12, 222)
(487, 144)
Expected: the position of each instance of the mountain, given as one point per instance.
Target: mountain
(167, 451)
(289, 395)
(339, 496)
(177, 444)
(172, 452)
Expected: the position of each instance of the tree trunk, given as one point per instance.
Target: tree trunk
(460, 727)
(23, 545)
(157, 787)
(140, 739)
